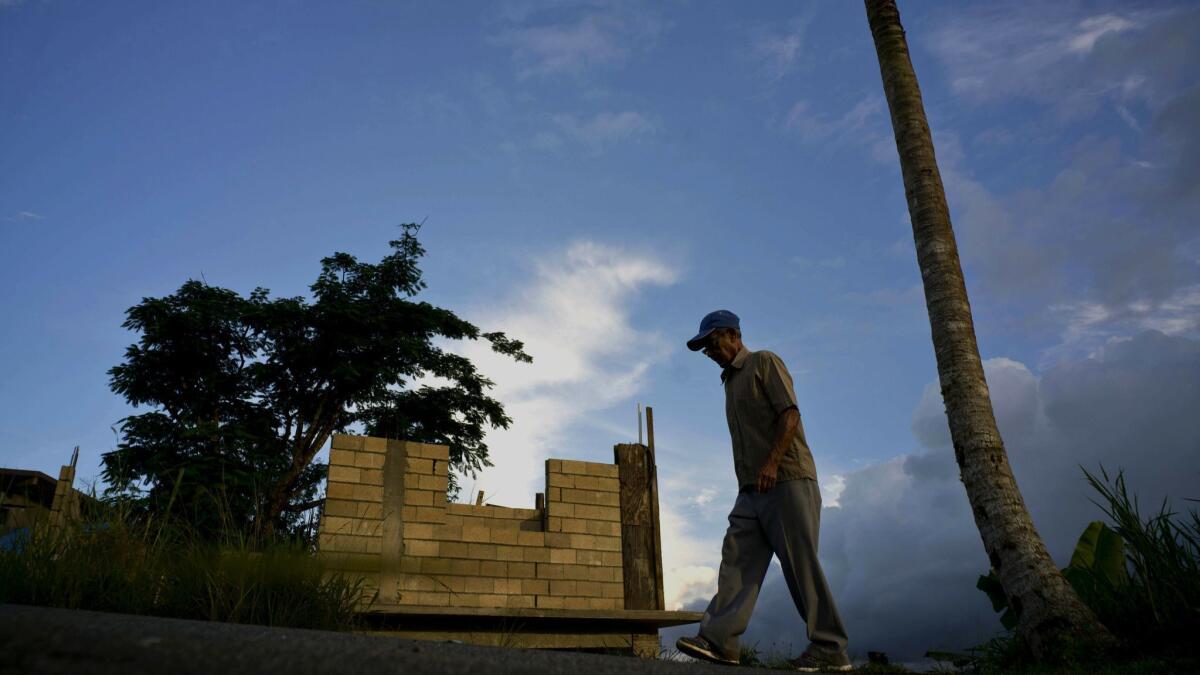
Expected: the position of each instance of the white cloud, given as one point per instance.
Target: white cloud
(813, 127)
(604, 128)
(1093, 28)
(780, 51)
(20, 216)
(604, 36)
(573, 317)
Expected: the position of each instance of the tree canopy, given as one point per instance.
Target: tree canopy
(245, 391)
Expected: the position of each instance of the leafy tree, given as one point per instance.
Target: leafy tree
(247, 390)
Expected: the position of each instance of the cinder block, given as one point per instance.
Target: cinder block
(371, 476)
(521, 570)
(563, 555)
(589, 468)
(585, 541)
(559, 480)
(477, 533)
(576, 572)
(536, 554)
(590, 558)
(506, 586)
(604, 603)
(553, 524)
(506, 535)
(513, 553)
(428, 599)
(464, 567)
(589, 589)
(423, 514)
(480, 585)
(554, 494)
(457, 509)
(575, 526)
(422, 548)
(563, 587)
(441, 468)
(435, 566)
(549, 571)
(524, 514)
(531, 524)
(554, 466)
(604, 574)
(610, 513)
(346, 442)
(576, 603)
(604, 527)
(340, 507)
(418, 498)
(455, 549)
(520, 601)
(447, 532)
(549, 602)
(607, 543)
(428, 450)
(608, 484)
(535, 586)
(368, 493)
(493, 568)
(335, 490)
(344, 474)
(429, 482)
(530, 538)
(368, 460)
(492, 600)
(419, 465)
(369, 510)
(410, 565)
(452, 583)
(481, 551)
(558, 540)
(616, 590)
(421, 531)
(341, 457)
(561, 510)
(416, 582)
(355, 526)
(412, 481)
(464, 600)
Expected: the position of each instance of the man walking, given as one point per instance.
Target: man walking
(778, 507)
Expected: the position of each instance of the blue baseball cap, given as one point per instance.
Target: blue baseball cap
(722, 318)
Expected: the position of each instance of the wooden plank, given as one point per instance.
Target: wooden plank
(518, 639)
(637, 535)
(647, 616)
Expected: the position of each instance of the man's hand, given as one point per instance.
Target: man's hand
(767, 475)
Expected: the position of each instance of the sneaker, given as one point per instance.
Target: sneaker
(699, 647)
(812, 662)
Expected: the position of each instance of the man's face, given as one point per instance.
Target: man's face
(721, 347)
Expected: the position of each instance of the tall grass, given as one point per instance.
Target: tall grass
(1158, 610)
(113, 561)
(1154, 611)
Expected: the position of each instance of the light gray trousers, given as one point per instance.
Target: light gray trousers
(783, 521)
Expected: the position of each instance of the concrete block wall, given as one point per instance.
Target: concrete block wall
(386, 518)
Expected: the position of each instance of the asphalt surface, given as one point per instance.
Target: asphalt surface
(35, 640)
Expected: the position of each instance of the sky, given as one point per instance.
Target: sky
(595, 176)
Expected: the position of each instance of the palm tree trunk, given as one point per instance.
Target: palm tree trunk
(1052, 617)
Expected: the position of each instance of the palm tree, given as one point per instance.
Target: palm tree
(1052, 617)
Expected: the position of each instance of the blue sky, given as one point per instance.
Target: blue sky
(596, 176)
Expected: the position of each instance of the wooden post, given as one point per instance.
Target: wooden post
(395, 463)
(479, 499)
(640, 556)
(539, 501)
(655, 523)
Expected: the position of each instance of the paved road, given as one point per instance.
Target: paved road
(36, 640)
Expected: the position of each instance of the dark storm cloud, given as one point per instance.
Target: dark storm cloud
(902, 552)
(1115, 226)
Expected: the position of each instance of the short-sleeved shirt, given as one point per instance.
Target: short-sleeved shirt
(758, 388)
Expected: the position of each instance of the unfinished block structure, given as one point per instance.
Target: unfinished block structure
(585, 559)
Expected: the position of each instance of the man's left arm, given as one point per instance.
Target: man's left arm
(777, 385)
